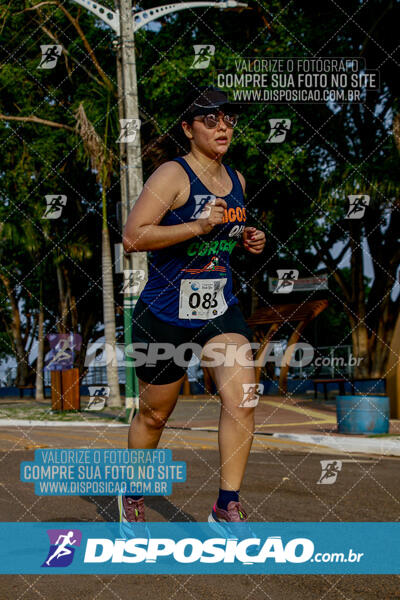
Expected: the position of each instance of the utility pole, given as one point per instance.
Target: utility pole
(131, 182)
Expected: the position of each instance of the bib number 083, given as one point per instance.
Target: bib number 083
(202, 298)
(207, 301)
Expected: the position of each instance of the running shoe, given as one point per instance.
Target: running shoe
(233, 514)
(131, 517)
(225, 523)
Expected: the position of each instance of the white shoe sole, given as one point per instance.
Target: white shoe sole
(121, 512)
(216, 526)
(123, 521)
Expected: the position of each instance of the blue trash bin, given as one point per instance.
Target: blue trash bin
(362, 414)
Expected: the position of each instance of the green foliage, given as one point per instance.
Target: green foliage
(296, 191)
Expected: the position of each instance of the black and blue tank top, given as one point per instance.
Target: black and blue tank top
(191, 282)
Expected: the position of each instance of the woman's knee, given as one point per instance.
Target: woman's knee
(153, 419)
(157, 403)
(241, 414)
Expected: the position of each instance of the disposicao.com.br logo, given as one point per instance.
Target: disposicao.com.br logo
(196, 547)
(212, 550)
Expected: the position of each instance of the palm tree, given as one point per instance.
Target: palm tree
(101, 161)
(39, 385)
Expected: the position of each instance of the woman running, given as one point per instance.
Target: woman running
(189, 216)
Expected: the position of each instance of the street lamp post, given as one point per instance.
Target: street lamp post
(143, 17)
(125, 22)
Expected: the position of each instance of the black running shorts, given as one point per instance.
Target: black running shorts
(148, 328)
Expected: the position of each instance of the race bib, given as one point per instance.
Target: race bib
(202, 298)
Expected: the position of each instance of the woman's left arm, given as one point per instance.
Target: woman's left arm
(253, 239)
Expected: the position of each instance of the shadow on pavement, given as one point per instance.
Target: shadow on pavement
(107, 508)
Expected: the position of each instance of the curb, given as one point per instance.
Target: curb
(27, 423)
(341, 443)
(387, 447)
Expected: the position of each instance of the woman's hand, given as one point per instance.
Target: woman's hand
(253, 240)
(211, 215)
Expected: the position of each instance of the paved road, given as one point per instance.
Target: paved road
(274, 414)
(280, 485)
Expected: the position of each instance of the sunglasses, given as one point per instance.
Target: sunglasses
(212, 120)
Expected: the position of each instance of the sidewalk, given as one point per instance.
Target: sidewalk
(274, 414)
(300, 419)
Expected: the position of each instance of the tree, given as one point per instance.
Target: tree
(33, 168)
(297, 191)
(101, 160)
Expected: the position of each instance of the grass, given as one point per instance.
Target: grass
(35, 411)
(385, 435)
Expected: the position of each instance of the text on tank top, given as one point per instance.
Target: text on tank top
(191, 282)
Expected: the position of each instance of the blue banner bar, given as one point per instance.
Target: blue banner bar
(284, 548)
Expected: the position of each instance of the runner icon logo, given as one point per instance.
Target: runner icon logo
(98, 397)
(62, 547)
(279, 129)
(134, 281)
(357, 205)
(251, 394)
(50, 56)
(330, 470)
(286, 279)
(128, 130)
(203, 54)
(54, 206)
(200, 212)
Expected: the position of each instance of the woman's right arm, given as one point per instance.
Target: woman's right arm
(142, 231)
